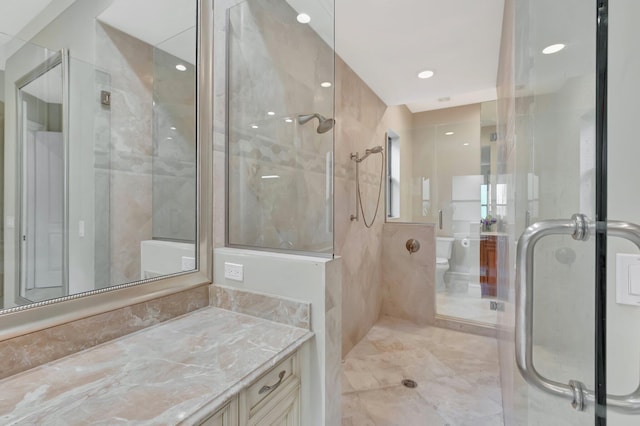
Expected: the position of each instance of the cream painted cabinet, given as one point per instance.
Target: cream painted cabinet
(285, 412)
(272, 400)
(227, 416)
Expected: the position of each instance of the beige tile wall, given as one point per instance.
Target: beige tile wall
(409, 278)
(359, 125)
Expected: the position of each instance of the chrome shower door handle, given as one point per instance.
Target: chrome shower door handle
(580, 228)
(440, 219)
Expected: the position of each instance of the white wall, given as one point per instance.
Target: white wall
(623, 321)
(308, 279)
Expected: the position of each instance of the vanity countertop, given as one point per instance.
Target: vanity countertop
(176, 371)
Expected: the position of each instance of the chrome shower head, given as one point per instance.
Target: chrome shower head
(325, 124)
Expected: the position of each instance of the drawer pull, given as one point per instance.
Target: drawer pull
(274, 386)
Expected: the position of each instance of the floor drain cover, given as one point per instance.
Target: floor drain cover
(409, 383)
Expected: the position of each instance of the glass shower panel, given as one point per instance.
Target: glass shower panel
(280, 100)
(548, 165)
(623, 316)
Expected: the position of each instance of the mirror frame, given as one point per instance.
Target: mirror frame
(60, 58)
(26, 319)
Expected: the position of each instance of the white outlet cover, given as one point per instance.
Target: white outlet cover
(233, 271)
(628, 279)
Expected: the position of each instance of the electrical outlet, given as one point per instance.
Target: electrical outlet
(188, 263)
(233, 271)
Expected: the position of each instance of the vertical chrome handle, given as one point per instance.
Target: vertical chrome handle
(440, 219)
(580, 228)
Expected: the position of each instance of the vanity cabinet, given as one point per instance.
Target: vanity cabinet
(271, 400)
(227, 416)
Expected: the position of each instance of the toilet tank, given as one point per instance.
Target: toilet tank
(443, 247)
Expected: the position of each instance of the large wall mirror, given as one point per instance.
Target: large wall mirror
(98, 145)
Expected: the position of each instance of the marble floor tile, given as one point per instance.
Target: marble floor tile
(469, 305)
(457, 375)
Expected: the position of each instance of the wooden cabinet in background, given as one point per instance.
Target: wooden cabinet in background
(489, 265)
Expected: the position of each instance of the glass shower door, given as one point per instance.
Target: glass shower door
(554, 161)
(574, 283)
(549, 163)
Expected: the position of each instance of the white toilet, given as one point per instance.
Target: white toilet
(443, 254)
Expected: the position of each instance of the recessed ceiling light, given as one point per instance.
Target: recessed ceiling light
(303, 18)
(466, 144)
(554, 48)
(425, 74)
(270, 177)
(173, 127)
(325, 84)
(254, 126)
(448, 133)
(271, 113)
(181, 67)
(288, 120)
(169, 138)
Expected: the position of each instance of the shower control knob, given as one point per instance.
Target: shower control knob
(412, 245)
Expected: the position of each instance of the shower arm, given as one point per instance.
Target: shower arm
(375, 150)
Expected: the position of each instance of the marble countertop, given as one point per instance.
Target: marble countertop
(172, 373)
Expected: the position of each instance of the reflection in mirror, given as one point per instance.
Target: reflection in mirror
(98, 135)
(41, 100)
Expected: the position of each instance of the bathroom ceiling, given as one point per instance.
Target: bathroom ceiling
(171, 29)
(14, 17)
(387, 43)
(175, 35)
(16, 14)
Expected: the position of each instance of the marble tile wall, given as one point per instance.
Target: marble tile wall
(409, 278)
(30, 350)
(359, 125)
(269, 307)
(277, 65)
(333, 342)
(174, 148)
(129, 62)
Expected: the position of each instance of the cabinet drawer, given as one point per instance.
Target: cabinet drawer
(273, 380)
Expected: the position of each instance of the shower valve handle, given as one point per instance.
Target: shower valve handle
(412, 245)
